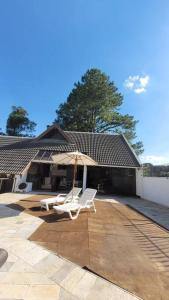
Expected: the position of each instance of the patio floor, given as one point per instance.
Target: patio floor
(32, 272)
(117, 243)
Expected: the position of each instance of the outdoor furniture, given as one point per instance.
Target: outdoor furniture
(71, 196)
(85, 201)
(3, 256)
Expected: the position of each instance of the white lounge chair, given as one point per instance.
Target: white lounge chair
(71, 196)
(85, 201)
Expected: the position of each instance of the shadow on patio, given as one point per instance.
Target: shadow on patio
(7, 211)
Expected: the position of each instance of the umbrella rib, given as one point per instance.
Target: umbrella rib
(61, 160)
(81, 160)
(75, 156)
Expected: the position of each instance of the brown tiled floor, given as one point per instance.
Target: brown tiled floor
(116, 242)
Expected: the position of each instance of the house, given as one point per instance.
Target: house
(30, 160)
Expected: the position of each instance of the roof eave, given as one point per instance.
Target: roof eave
(132, 150)
(55, 126)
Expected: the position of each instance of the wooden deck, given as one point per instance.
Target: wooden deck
(115, 243)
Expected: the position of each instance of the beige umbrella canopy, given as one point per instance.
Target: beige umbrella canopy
(73, 158)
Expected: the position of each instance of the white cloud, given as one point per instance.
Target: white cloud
(129, 84)
(139, 90)
(155, 159)
(137, 83)
(144, 80)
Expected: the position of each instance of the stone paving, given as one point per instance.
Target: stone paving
(34, 273)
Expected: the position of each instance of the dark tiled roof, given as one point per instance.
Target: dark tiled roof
(15, 157)
(7, 140)
(104, 148)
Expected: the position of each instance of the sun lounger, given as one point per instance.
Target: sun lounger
(85, 201)
(71, 196)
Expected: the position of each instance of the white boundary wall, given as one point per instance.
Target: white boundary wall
(155, 189)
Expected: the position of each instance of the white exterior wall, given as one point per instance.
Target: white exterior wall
(155, 189)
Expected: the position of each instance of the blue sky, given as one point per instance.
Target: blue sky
(45, 46)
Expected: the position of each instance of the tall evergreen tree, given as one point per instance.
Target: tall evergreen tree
(94, 105)
(18, 123)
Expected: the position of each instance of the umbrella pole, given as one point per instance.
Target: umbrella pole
(74, 172)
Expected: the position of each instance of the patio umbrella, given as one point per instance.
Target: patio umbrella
(73, 158)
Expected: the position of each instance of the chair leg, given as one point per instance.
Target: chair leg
(73, 217)
(70, 215)
(47, 207)
(42, 207)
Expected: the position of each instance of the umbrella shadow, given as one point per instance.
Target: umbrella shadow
(54, 217)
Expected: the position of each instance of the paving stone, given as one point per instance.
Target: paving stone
(64, 295)
(34, 255)
(21, 266)
(49, 265)
(10, 299)
(1, 276)
(45, 292)
(20, 247)
(10, 291)
(72, 279)
(7, 242)
(105, 290)
(100, 290)
(63, 272)
(84, 286)
(6, 267)
(25, 278)
(120, 294)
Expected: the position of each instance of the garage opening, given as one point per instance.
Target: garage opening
(107, 180)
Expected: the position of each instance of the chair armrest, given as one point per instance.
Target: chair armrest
(61, 195)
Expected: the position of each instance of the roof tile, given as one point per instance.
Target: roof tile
(106, 149)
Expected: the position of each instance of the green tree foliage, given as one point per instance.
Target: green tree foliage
(1, 132)
(93, 105)
(18, 123)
